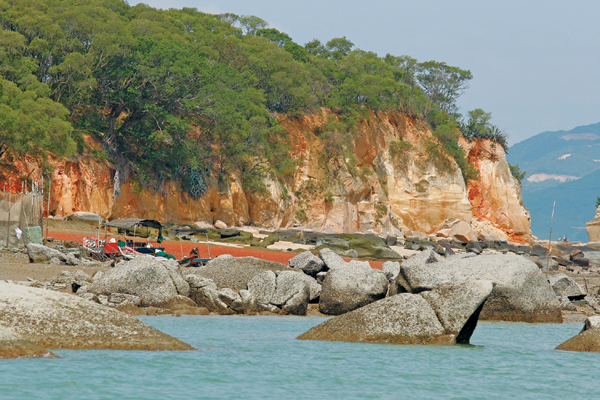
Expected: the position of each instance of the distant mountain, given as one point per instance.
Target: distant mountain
(562, 166)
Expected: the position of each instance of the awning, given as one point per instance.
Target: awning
(130, 223)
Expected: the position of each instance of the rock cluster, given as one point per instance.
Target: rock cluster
(445, 315)
(521, 292)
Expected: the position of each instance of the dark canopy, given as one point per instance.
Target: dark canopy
(129, 223)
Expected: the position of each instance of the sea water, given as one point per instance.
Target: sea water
(259, 357)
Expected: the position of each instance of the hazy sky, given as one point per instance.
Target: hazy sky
(536, 64)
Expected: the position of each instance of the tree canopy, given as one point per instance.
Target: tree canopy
(172, 93)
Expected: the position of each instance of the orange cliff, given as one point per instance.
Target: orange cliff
(361, 192)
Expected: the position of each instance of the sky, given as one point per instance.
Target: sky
(535, 64)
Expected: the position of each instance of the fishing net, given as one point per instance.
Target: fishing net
(20, 219)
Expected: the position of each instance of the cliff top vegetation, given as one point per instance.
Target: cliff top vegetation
(174, 94)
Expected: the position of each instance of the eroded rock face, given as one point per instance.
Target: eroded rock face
(521, 292)
(61, 321)
(144, 276)
(351, 286)
(416, 192)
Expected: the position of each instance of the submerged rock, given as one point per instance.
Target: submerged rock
(14, 346)
(62, 321)
(587, 340)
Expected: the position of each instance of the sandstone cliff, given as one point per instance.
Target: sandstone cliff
(370, 188)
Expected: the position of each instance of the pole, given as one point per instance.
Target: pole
(9, 207)
(48, 215)
(207, 244)
(550, 238)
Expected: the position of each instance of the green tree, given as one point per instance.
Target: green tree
(32, 123)
(443, 84)
(516, 172)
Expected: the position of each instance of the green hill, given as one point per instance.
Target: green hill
(562, 166)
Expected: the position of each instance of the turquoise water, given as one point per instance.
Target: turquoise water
(258, 357)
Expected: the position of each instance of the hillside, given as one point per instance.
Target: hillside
(188, 116)
(562, 166)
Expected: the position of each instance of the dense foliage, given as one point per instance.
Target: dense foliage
(173, 94)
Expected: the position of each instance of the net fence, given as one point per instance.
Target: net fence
(20, 219)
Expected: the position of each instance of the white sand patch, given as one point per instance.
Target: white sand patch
(564, 157)
(544, 177)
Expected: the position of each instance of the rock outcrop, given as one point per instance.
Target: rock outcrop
(55, 320)
(446, 315)
(414, 189)
(521, 292)
(593, 227)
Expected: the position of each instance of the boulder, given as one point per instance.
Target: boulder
(144, 276)
(85, 216)
(39, 253)
(567, 287)
(120, 298)
(209, 298)
(587, 340)
(220, 224)
(521, 292)
(292, 293)
(263, 286)
(229, 232)
(236, 272)
(458, 305)
(415, 235)
(391, 240)
(346, 288)
(14, 346)
(331, 259)
(56, 320)
(401, 319)
(314, 287)
(308, 263)
(566, 305)
(463, 232)
(391, 269)
(174, 270)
